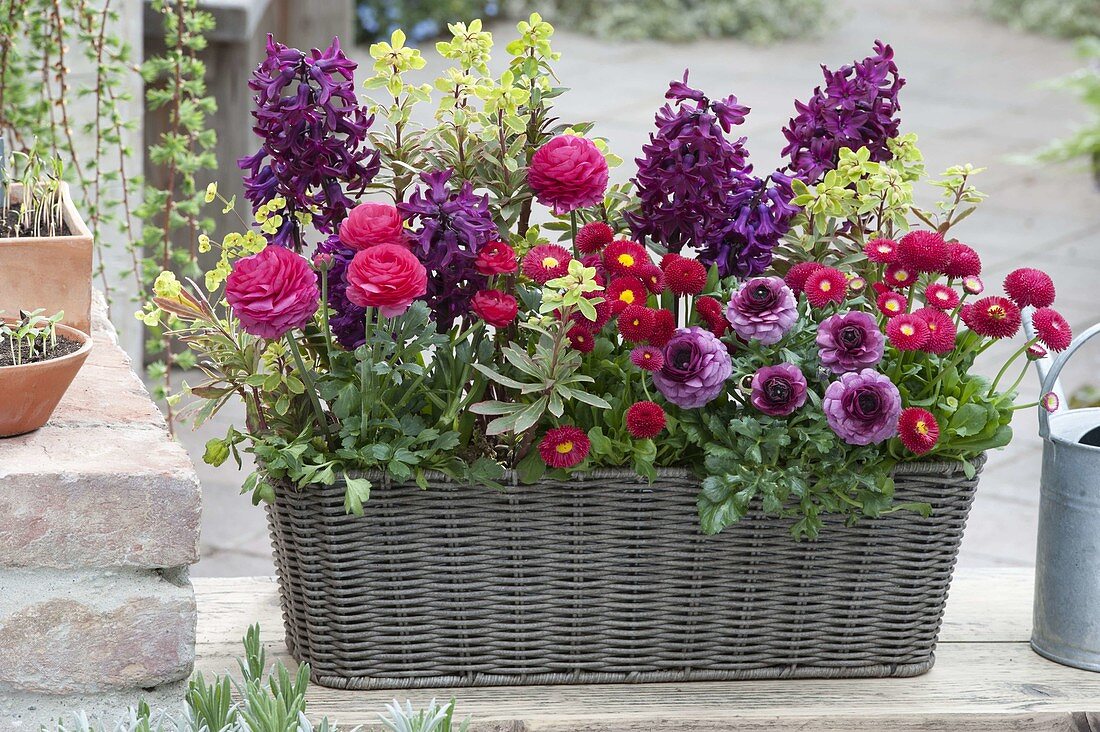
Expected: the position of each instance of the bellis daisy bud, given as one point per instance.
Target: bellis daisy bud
(900, 275)
(581, 339)
(1052, 329)
(664, 325)
(635, 323)
(962, 261)
(826, 285)
(992, 317)
(856, 284)
(653, 278)
(645, 420)
(1026, 286)
(941, 296)
(647, 358)
(546, 262)
(882, 251)
(923, 251)
(625, 257)
(593, 237)
(918, 430)
(1050, 402)
(796, 275)
(908, 332)
(684, 276)
(564, 447)
(973, 285)
(891, 304)
(710, 310)
(1036, 352)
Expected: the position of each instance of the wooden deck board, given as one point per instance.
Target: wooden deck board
(986, 678)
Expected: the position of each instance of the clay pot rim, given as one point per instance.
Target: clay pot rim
(69, 332)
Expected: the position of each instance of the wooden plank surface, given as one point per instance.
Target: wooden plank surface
(986, 678)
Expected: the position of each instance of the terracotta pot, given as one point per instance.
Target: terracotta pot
(31, 391)
(53, 273)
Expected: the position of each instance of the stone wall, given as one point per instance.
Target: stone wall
(99, 519)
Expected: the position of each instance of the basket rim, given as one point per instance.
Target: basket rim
(911, 468)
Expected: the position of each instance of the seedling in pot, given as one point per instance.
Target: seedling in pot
(32, 338)
(40, 209)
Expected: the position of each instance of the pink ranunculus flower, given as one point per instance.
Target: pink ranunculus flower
(272, 292)
(370, 224)
(568, 173)
(386, 276)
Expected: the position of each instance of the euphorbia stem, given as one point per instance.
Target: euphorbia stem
(311, 385)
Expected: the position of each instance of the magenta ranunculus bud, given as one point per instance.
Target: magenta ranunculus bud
(370, 224)
(863, 407)
(778, 390)
(849, 342)
(568, 173)
(695, 370)
(272, 292)
(763, 308)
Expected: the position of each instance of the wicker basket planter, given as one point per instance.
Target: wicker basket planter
(606, 580)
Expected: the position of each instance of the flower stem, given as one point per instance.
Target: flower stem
(1000, 374)
(311, 387)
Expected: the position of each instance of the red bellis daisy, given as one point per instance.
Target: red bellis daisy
(882, 251)
(992, 317)
(924, 251)
(603, 313)
(564, 447)
(908, 332)
(900, 275)
(624, 257)
(941, 330)
(636, 323)
(684, 276)
(918, 429)
(546, 262)
(962, 261)
(941, 296)
(647, 358)
(796, 275)
(645, 420)
(624, 291)
(581, 339)
(1052, 329)
(891, 304)
(593, 237)
(653, 278)
(826, 285)
(1026, 286)
(664, 325)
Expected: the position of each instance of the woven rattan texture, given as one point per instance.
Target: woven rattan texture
(606, 579)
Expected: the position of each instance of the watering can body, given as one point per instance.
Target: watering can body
(1066, 623)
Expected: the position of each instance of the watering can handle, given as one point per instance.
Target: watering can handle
(1049, 376)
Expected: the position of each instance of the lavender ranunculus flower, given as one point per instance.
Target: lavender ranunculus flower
(763, 308)
(857, 108)
(849, 342)
(863, 407)
(696, 367)
(778, 390)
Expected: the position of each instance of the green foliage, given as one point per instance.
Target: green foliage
(31, 331)
(1065, 18)
(424, 19)
(756, 21)
(1084, 142)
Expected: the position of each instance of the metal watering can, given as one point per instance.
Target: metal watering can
(1067, 563)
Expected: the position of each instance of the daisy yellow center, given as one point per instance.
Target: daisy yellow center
(627, 296)
(825, 286)
(635, 322)
(932, 327)
(565, 447)
(626, 260)
(922, 428)
(580, 339)
(884, 249)
(997, 312)
(549, 262)
(647, 356)
(908, 330)
(893, 306)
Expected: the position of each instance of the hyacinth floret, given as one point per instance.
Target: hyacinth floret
(314, 149)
